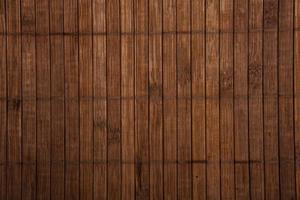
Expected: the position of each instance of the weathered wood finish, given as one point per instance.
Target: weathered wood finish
(149, 99)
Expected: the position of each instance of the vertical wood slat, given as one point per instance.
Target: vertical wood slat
(142, 172)
(14, 92)
(85, 101)
(43, 106)
(296, 92)
(127, 89)
(227, 100)
(241, 134)
(212, 99)
(28, 100)
(286, 109)
(169, 101)
(72, 116)
(184, 100)
(270, 91)
(198, 104)
(57, 95)
(3, 103)
(255, 81)
(100, 103)
(113, 103)
(155, 99)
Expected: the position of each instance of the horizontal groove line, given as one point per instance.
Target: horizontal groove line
(152, 162)
(146, 33)
(146, 97)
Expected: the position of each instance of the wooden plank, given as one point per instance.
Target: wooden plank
(270, 91)
(286, 102)
(155, 103)
(127, 89)
(241, 99)
(72, 126)
(198, 99)
(86, 99)
(142, 174)
(3, 104)
(28, 100)
(297, 92)
(57, 101)
(43, 76)
(226, 100)
(212, 99)
(255, 81)
(184, 100)
(100, 103)
(169, 101)
(113, 103)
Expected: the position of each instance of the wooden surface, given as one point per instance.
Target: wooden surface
(149, 99)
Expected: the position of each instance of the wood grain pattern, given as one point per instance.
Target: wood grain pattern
(72, 104)
(100, 100)
(142, 172)
(212, 76)
(227, 137)
(43, 104)
(255, 82)
(198, 104)
(286, 102)
(241, 134)
(127, 91)
(86, 103)
(184, 174)
(149, 99)
(3, 104)
(296, 91)
(113, 104)
(155, 99)
(14, 93)
(57, 95)
(169, 99)
(270, 92)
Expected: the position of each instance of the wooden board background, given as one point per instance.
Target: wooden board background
(149, 99)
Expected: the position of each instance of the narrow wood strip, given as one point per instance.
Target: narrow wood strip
(212, 105)
(86, 106)
(169, 105)
(241, 105)
(226, 100)
(113, 106)
(198, 105)
(155, 107)
(57, 107)
(28, 107)
(100, 106)
(255, 81)
(3, 104)
(127, 89)
(296, 90)
(142, 172)
(71, 116)
(270, 81)
(43, 77)
(184, 105)
(286, 110)
(72, 110)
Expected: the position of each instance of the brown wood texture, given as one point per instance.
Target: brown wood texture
(149, 99)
